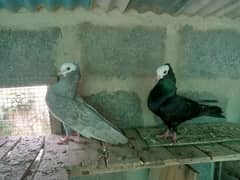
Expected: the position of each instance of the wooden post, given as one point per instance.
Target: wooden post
(218, 171)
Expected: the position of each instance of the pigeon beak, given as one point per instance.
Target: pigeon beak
(59, 73)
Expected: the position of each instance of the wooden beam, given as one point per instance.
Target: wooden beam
(217, 152)
(188, 154)
(177, 172)
(16, 164)
(158, 157)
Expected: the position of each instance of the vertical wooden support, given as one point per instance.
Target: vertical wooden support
(218, 171)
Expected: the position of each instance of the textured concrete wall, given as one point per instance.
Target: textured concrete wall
(122, 51)
(27, 57)
(210, 54)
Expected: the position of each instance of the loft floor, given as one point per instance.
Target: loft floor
(42, 158)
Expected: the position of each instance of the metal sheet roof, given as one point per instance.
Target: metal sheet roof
(14, 5)
(204, 8)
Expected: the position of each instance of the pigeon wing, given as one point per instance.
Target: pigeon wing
(83, 118)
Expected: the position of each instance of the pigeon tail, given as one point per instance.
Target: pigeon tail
(213, 111)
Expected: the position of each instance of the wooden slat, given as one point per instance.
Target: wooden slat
(15, 164)
(121, 158)
(8, 146)
(191, 134)
(135, 140)
(53, 159)
(85, 158)
(157, 157)
(188, 154)
(235, 146)
(218, 152)
(3, 140)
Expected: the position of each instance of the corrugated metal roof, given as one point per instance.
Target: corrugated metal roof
(220, 8)
(14, 5)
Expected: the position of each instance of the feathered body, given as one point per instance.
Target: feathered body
(65, 105)
(174, 109)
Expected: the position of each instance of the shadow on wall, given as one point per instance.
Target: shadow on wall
(233, 107)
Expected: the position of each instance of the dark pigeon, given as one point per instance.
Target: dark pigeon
(173, 109)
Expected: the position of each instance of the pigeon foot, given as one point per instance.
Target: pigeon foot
(165, 134)
(174, 137)
(64, 140)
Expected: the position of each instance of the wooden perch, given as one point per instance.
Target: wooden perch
(18, 155)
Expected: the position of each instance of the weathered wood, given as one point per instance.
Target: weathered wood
(177, 172)
(218, 152)
(34, 167)
(158, 157)
(135, 140)
(235, 146)
(8, 146)
(53, 160)
(86, 158)
(188, 154)
(121, 157)
(16, 164)
(3, 140)
(190, 134)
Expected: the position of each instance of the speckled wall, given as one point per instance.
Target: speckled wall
(27, 57)
(118, 54)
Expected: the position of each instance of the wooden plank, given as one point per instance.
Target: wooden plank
(34, 167)
(188, 154)
(84, 159)
(235, 146)
(218, 152)
(8, 146)
(191, 134)
(135, 140)
(177, 172)
(53, 159)
(3, 140)
(15, 165)
(120, 158)
(74, 159)
(158, 157)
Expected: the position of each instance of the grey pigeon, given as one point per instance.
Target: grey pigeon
(66, 106)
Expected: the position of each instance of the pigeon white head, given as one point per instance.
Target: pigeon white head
(67, 68)
(162, 71)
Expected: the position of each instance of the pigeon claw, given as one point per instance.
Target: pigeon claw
(63, 141)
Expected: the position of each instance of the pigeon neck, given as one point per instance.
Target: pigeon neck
(67, 86)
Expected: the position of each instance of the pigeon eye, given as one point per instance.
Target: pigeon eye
(68, 68)
(165, 72)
